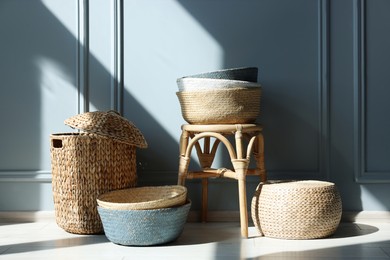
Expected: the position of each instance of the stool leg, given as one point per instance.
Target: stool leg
(205, 182)
(183, 160)
(183, 170)
(243, 208)
(259, 156)
(240, 168)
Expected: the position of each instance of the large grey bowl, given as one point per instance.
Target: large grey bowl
(144, 227)
(243, 73)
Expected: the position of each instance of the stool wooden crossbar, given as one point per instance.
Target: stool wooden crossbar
(239, 156)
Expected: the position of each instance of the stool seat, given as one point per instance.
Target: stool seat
(225, 128)
(239, 156)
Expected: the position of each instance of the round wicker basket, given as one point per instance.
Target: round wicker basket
(142, 198)
(222, 106)
(296, 209)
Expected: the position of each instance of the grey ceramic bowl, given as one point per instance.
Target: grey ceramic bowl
(144, 227)
(243, 73)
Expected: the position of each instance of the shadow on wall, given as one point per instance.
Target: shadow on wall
(256, 33)
(253, 33)
(32, 33)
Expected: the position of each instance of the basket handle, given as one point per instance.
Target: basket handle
(56, 143)
(114, 112)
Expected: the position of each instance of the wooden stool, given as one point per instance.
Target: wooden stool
(191, 134)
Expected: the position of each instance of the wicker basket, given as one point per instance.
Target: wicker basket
(223, 106)
(85, 165)
(142, 198)
(296, 209)
(144, 227)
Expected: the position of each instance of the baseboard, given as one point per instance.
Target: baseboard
(216, 216)
(194, 216)
(375, 216)
(26, 216)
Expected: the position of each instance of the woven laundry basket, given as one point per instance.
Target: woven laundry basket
(144, 227)
(296, 209)
(140, 198)
(222, 106)
(87, 164)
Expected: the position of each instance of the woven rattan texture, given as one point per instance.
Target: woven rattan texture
(223, 106)
(83, 167)
(109, 124)
(296, 209)
(141, 198)
(144, 227)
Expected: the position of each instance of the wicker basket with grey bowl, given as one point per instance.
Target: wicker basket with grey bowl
(229, 96)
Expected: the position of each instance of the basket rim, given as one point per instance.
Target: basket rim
(143, 198)
(187, 203)
(298, 184)
(219, 90)
(199, 84)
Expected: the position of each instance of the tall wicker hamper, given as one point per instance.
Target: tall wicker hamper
(90, 163)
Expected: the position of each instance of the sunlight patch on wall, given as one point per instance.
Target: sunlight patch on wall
(370, 202)
(61, 10)
(58, 102)
(100, 15)
(163, 43)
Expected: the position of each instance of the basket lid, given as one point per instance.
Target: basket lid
(110, 124)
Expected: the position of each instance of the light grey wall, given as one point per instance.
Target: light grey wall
(323, 66)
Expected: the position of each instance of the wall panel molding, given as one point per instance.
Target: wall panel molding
(29, 176)
(323, 54)
(323, 72)
(362, 175)
(82, 56)
(118, 77)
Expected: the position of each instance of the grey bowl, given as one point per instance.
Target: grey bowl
(243, 74)
(144, 227)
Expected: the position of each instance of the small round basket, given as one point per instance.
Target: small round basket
(144, 227)
(140, 198)
(296, 209)
(223, 106)
(198, 84)
(243, 73)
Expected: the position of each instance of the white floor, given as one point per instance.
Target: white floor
(45, 240)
